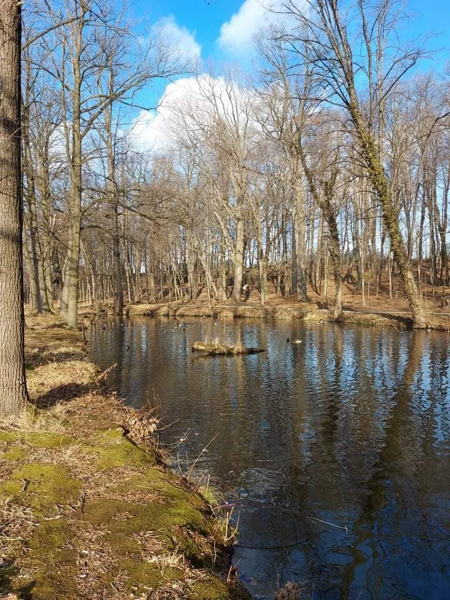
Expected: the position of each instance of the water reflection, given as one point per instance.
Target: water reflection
(339, 446)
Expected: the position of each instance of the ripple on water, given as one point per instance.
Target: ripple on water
(339, 447)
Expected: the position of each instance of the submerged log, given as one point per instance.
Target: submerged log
(215, 348)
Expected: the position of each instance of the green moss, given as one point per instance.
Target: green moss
(167, 519)
(49, 546)
(128, 518)
(6, 576)
(54, 585)
(115, 450)
(142, 576)
(48, 440)
(172, 574)
(6, 437)
(11, 488)
(15, 453)
(50, 536)
(210, 589)
(167, 485)
(123, 545)
(43, 486)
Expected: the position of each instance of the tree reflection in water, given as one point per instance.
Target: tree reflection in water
(339, 447)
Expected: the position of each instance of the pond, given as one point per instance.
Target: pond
(335, 450)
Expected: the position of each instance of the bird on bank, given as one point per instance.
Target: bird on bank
(288, 340)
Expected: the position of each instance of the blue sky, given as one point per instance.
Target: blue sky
(431, 15)
(222, 31)
(204, 19)
(199, 17)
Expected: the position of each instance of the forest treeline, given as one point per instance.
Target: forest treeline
(332, 157)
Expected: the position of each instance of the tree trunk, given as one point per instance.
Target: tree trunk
(71, 281)
(112, 184)
(238, 259)
(379, 182)
(263, 282)
(118, 277)
(30, 201)
(13, 391)
(334, 249)
(300, 251)
(190, 260)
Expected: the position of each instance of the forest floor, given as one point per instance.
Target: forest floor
(375, 310)
(88, 509)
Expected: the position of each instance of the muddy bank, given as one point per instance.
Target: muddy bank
(88, 508)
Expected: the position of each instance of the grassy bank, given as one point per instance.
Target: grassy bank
(88, 509)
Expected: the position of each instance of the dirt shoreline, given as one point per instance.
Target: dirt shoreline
(308, 312)
(88, 508)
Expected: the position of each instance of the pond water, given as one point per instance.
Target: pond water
(336, 450)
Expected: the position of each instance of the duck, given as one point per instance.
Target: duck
(293, 341)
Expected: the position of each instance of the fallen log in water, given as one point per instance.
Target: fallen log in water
(216, 349)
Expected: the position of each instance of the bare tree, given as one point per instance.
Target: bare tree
(324, 39)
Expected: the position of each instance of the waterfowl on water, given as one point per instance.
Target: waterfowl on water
(293, 341)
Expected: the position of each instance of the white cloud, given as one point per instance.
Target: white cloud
(157, 131)
(179, 38)
(237, 35)
(142, 131)
(153, 131)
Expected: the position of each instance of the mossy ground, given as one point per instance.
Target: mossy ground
(88, 509)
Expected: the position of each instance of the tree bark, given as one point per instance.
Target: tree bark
(13, 391)
(238, 260)
(379, 181)
(73, 255)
